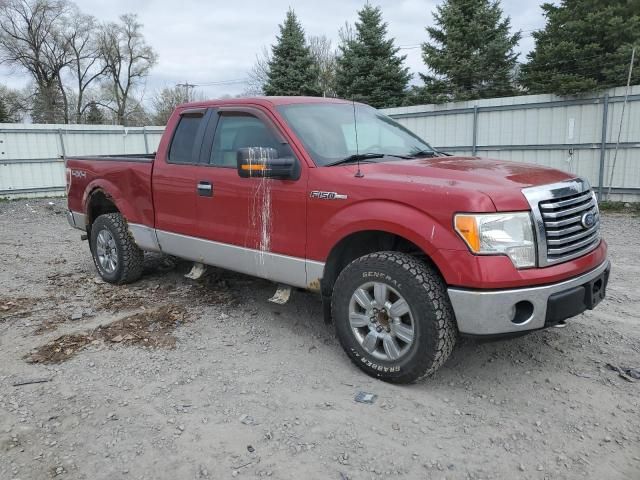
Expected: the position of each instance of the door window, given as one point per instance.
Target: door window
(241, 131)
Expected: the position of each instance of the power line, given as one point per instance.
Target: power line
(224, 82)
(213, 83)
(186, 86)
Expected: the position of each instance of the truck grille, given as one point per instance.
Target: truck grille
(566, 232)
(567, 220)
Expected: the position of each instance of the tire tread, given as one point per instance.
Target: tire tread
(429, 279)
(132, 255)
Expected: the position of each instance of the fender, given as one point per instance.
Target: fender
(115, 194)
(392, 217)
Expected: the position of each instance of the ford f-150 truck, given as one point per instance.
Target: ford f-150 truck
(408, 247)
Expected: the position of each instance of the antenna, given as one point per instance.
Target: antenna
(358, 174)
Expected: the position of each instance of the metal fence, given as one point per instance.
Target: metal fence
(31, 161)
(578, 135)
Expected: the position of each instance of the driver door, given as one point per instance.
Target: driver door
(263, 219)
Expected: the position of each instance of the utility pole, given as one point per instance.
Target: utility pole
(186, 85)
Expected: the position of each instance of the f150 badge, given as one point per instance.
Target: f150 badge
(328, 195)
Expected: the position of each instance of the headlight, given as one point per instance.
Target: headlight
(508, 234)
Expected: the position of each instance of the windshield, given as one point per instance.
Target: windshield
(328, 132)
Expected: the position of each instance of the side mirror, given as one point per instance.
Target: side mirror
(264, 162)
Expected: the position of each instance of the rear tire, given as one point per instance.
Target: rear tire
(115, 253)
(393, 316)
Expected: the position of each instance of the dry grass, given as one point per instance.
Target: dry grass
(152, 328)
(16, 307)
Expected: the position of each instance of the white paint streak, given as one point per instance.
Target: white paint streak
(260, 207)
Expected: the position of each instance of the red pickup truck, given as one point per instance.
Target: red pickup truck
(409, 247)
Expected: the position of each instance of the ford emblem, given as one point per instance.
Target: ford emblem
(588, 220)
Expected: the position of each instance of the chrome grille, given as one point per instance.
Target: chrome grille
(562, 212)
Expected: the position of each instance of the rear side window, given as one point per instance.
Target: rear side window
(183, 146)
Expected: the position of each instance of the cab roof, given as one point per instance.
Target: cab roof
(273, 101)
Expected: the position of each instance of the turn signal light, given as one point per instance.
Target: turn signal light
(467, 227)
(252, 166)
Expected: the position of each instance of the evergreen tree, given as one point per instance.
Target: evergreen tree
(4, 114)
(369, 68)
(94, 115)
(585, 45)
(47, 105)
(471, 54)
(292, 69)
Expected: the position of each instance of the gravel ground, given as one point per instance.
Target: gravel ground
(178, 379)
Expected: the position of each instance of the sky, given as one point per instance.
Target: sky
(205, 42)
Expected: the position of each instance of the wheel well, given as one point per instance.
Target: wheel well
(99, 204)
(362, 243)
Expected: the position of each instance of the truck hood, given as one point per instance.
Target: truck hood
(501, 180)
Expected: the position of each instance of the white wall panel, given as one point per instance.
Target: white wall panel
(30, 155)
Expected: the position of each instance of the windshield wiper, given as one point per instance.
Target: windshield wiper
(355, 158)
(425, 153)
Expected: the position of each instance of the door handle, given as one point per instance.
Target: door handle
(205, 189)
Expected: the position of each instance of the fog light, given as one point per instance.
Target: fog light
(523, 312)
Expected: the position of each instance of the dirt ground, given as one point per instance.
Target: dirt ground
(171, 378)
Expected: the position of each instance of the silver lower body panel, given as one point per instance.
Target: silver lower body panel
(294, 271)
(491, 312)
(271, 266)
(76, 220)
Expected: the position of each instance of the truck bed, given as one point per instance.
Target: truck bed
(127, 157)
(125, 178)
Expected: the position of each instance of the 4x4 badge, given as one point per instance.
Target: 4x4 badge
(328, 195)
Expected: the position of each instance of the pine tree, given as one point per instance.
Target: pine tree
(292, 69)
(47, 105)
(471, 54)
(585, 45)
(94, 115)
(4, 114)
(369, 68)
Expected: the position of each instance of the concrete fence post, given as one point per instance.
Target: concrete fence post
(64, 152)
(146, 141)
(474, 145)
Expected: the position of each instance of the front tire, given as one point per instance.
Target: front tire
(393, 316)
(116, 256)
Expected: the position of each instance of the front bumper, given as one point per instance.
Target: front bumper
(495, 312)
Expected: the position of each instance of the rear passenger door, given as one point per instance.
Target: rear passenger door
(181, 183)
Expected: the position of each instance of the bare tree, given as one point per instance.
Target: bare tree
(258, 74)
(346, 33)
(31, 39)
(324, 55)
(137, 115)
(15, 102)
(85, 62)
(166, 100)
(128, 60)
